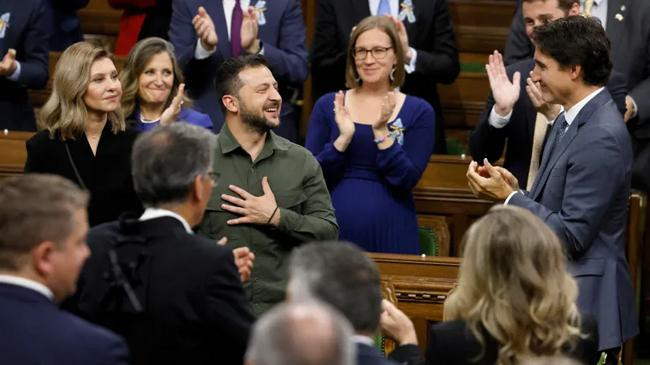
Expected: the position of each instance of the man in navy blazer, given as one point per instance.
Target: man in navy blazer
(583, 184)
(42, 249)
(201, 32)
(518, 118)
(24, 28)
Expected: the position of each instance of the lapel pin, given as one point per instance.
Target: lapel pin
(407, 11)
(619, 17)
(623, 8)
(260, 8)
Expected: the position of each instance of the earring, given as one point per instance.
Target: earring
(392, 75)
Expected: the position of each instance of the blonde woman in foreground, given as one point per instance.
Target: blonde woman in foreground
(514, 300)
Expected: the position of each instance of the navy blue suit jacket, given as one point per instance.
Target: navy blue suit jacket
(489, 142)
(581, 192)
(34, 331)
(283, 39)
(368, 355)
(28, 33)
(66, 27)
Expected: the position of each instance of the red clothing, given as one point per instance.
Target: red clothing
(130, 23)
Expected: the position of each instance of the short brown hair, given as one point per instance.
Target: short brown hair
(565, 5)
(385, 24)
(35, 208)
(65, 113)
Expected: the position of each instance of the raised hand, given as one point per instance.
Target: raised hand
(504, 91)
(249, 30)
(396, 325)
(403, 37)
(204, 28)
(8, 64)
(243, 259)
(534, 92)
(170, 115)
(343, 122)
(386, 111)
(252, 209)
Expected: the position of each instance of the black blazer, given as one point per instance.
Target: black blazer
(489, 142)
(106, 175)
(431, 35)
(195, 311)
(35, 331)
(452, 343)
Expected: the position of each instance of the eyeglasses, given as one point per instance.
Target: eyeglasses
(378, 53)
(213, 176)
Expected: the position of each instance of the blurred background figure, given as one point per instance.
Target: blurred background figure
(42, 249)
(373, 142)
(428, 46)
(85, 137)
(24, 35)
(141, 19)
(66, 27)
(306, 333)
(206, 33)
(153, 87)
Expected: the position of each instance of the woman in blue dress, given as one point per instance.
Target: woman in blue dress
(373, 142)
(153, 88)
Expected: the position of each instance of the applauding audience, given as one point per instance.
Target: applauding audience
(85, 137)
(373, 143)
(154, 89)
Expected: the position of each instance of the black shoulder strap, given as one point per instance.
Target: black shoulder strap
(74, 167)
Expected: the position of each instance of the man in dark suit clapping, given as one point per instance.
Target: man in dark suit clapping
(176, 297)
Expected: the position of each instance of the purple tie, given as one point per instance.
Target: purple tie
(235, 29)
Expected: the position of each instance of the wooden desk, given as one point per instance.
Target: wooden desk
(13, 153)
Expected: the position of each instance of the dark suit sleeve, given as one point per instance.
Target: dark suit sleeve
(518, 46)
(199, 73)
(617, 87)
(440, 63)
(226, 304)
(288, 61)
(117, 353)
(595, 173)
(407, 354)
(35, 157)
(34, 60)
(487, 141)
(328, 55)
(640, 95)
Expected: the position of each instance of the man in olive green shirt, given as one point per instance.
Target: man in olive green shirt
(270, 193)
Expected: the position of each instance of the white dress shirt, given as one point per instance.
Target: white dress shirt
(153, 213)
(27, 283)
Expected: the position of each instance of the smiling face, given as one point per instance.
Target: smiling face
(555, 81)
(156, 80)
(104, 89)
(374, 69)
(259, 99)
(541, 12)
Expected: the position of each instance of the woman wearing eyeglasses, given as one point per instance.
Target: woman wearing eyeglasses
(373, 142)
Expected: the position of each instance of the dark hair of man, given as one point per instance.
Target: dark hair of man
(565, 5)
(228, 81)
(341, 275)
(577, 40)
(35, 208)
(166, 160)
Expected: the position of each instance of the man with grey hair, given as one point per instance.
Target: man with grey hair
(175, 296)
(341, 275)
(305, 333)
(42, 248)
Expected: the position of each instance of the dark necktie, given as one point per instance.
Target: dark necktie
(562, 126)
(235, 29)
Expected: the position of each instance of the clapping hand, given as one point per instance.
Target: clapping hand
(252, 209)
(243, 259)
(343, 122)
(490, 182)
(249, 29)
(403, 37)
(204, 28)
(170, 114)
(8, 64)
(534, 92)
(386, 111)
(505, 92)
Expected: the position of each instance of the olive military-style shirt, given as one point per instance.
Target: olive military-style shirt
(306, 212)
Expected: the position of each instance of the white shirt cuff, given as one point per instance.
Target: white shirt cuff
(201, 53)
(511, 195)
(410, 67)
(16, 74)
(498, 121)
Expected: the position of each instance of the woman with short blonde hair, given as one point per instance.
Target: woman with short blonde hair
(84, 137)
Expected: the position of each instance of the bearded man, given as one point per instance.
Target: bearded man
(270, 194)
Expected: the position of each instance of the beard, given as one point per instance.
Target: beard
(256, 122)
